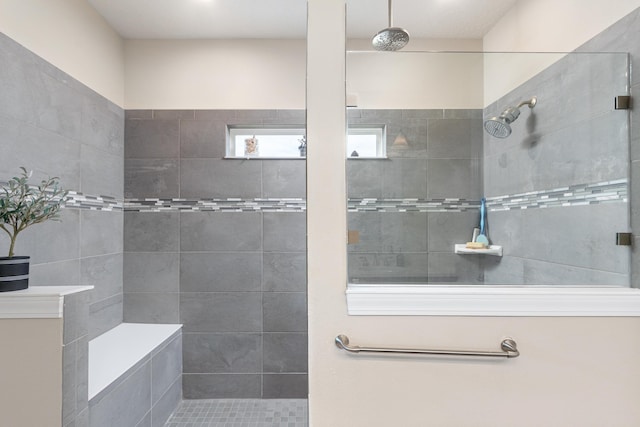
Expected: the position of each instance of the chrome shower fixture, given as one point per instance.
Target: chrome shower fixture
(500, 126)
(391, 38)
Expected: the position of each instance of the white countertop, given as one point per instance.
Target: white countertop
(36, 302)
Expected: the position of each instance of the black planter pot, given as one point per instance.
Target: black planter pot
(14, 273)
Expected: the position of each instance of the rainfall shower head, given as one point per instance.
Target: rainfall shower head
(500, 126)
(391, 38)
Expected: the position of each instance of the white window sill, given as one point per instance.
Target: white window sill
(511, 301)
(263, 158)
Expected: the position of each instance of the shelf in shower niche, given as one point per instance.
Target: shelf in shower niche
(462, 249)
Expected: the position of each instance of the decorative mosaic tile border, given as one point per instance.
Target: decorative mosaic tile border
(76, 200)
(575, 195)
(615, 191)
(216, 205)
(412, 205)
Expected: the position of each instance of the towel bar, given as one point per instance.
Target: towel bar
(508, 346)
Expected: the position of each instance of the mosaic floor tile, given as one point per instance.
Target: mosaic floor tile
(240, 412)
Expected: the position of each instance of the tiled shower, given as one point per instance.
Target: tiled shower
(218, 245)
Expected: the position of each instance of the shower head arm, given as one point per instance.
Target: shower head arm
(530, 102)
(390, 14)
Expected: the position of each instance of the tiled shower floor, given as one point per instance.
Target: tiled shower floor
(240, 412)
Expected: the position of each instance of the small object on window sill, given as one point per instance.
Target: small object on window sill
(462, 249)
(303, 146)
(355, 154)
(251, 146)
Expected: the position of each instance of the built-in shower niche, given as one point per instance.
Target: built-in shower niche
(556, 187)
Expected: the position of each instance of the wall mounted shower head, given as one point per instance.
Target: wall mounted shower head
(391, 38)
(500, 126)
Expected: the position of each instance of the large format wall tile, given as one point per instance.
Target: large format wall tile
(151, 307)
(214, 231)
(284, 232)
(405, 178)
(128, 405)
(152, 232)
(221, 312)
(454, 178)
(104, 273)
(218, 178)
(101, 232)
(152, 272)
(455, 139)
(148, 178)
(152, 139)
(202, 139)
(222, 386)
(219, 272)
(285, 386)
(281, 352)
(97, 172)
(284, 271)
(284, 178)
(222, 353)
(105, 315)
(284, 312)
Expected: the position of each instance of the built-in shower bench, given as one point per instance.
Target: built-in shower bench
(135, 375)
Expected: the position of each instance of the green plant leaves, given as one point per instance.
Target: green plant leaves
(22, 205)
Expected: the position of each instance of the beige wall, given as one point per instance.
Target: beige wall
(410, 80)
(543, 26)
(72, 36)
(31, 372)
(572, 372)
(254, 74)
(210, 74)
(416, 80)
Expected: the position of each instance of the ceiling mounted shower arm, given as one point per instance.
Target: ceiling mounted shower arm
(390, 13)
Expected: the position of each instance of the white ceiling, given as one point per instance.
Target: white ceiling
(207, 19)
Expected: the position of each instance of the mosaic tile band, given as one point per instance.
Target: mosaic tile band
(576, 195)
(216, 205)
(96, 203)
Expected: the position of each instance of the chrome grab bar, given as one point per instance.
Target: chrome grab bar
(508, 346)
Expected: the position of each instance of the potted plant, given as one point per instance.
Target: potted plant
(23, 205)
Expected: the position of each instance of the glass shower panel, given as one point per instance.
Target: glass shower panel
(556, 188)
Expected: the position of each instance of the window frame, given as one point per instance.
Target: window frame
(232, 130)
(380, 132)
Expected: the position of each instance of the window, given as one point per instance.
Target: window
(266, 142)
(363, 141)
(366, 141)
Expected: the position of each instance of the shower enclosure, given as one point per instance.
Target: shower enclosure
(555, 180)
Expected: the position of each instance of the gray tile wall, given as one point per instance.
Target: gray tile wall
(573, 135)
(443, 160)
(75, 359)
(236, 280)
(54, 125)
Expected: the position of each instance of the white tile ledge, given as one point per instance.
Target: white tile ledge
(36, 302)
(511, 301)
(119, 349)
